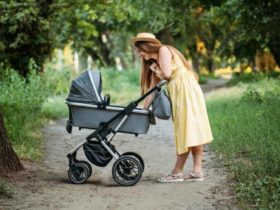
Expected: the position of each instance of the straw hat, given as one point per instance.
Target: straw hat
(145, 37)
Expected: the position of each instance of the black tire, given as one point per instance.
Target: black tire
(137, 156)
(88, 165)
(127, 171)
(78, 173)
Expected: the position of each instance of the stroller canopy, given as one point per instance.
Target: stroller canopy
(86, 88)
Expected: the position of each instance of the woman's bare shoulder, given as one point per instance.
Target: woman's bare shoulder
(164, 51)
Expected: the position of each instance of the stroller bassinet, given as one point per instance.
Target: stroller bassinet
(89, 109)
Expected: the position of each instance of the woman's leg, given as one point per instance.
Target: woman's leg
(180, 162)
(176, 175)
(197, 153)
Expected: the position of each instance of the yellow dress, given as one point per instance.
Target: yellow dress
(190, 119)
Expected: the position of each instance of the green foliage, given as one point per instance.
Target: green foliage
(26, 32)
(246, 132)
(227, 28)
(27, 102)
(21, 100)
(102, 29)
(58, 84)
(264, 192)
(58, 81)
(5, 191)
(202, 79)
(252, 77)
(123, 86)
(96, 28)
(247, 26)
(54, 107)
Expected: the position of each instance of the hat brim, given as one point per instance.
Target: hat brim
(134, 40)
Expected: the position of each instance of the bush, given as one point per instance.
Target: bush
(28, 101)
(58, 83)
(21, 101)
(123, 86)
(202, 79)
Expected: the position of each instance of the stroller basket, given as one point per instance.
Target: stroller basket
(97, 154)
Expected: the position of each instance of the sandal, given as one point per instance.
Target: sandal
(172, 178)
(192, 177)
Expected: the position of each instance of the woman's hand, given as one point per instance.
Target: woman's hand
(153, 67)
(156, 69)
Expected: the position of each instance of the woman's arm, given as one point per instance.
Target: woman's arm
(149, 99)
(163, 71)
(165, 57)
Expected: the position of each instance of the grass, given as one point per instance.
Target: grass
(5, 191)
(252, 77)
(245, 122)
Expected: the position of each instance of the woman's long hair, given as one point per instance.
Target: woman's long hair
(148, 78)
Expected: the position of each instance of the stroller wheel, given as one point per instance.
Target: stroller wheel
(88, 166)
(78, 173)
(127, 171)
(138, 157)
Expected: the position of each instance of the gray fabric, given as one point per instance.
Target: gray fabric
(161, 105)
(86, 117)
(82, 90)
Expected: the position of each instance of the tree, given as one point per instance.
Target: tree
(9, 160)
(96, 27)
(25, 33)
(248, 26)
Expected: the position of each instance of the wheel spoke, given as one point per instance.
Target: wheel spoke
(126, 171)
(78, 172)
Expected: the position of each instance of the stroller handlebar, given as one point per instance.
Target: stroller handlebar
(162, 82)
(156, 87)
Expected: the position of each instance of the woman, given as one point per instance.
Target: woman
(190, 119)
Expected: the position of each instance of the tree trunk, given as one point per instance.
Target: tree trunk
(210, 63)
(9, 160)
(166, 36)
(274, 47)
(195, 62)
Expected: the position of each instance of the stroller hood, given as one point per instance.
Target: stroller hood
(86, 88)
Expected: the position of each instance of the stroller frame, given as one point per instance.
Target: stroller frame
(104, 134)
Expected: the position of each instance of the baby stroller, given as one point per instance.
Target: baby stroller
(89, 109)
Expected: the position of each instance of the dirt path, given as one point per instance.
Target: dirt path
(46, 186)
